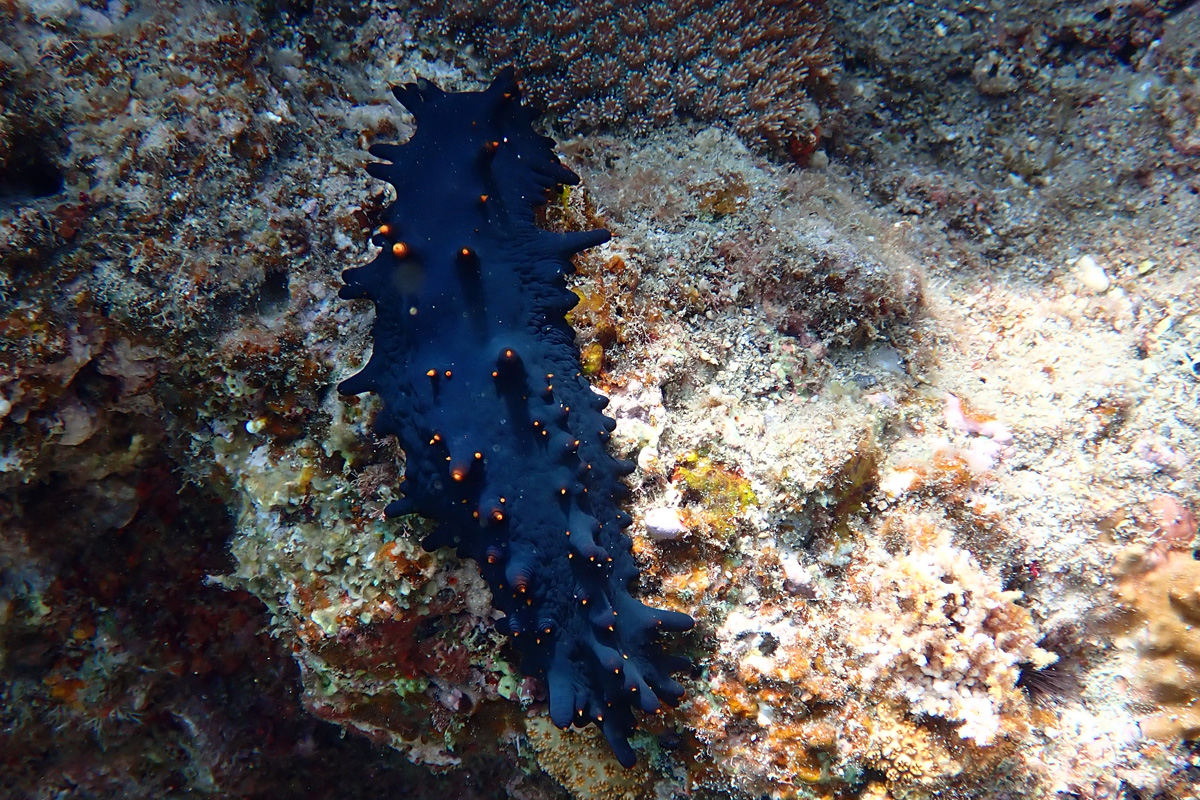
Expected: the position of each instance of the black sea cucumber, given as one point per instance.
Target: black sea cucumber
(480, 380)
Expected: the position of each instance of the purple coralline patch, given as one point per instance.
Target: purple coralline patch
(480, 378)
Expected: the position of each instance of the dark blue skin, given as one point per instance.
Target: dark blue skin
(481, 384)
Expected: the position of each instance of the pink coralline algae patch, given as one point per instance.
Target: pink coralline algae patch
(963, 418)
(1175, 519)
(990, 438)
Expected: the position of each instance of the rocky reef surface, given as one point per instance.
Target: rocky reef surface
(914, 408)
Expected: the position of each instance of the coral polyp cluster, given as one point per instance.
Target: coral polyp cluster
(755, 65)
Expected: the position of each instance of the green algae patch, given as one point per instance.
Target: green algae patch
(721, 493)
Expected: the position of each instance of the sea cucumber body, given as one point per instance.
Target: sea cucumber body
(505, 441)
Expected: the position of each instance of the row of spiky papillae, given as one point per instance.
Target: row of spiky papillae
(480, 382)
(754, 63)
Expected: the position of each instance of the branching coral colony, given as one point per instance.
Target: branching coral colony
(481, 383)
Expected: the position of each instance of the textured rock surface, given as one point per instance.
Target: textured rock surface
(779, 346)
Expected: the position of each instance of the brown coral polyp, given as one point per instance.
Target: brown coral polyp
(703, 58)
